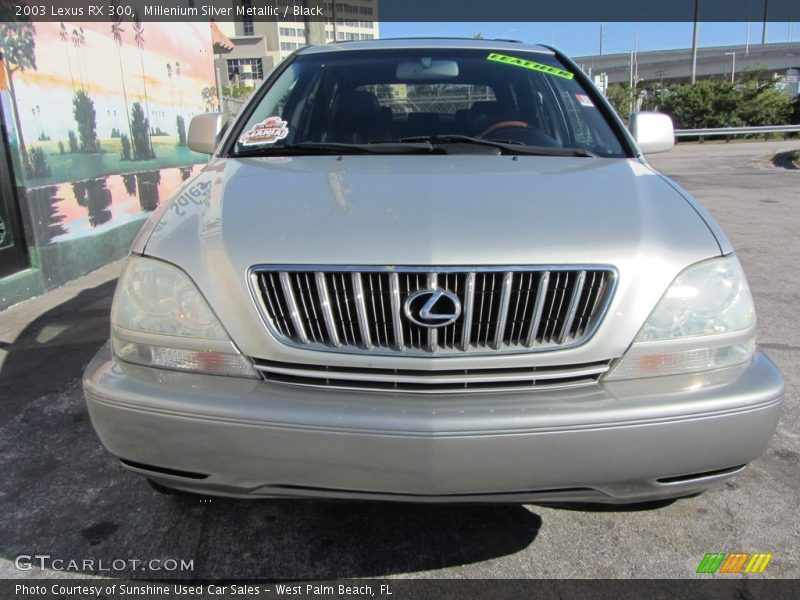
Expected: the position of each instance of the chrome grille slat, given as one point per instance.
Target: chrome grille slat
(327, 311)
(294, 314)
(433, 332)
(503, 309)
(445, 381)
(397, 323)
(538, 308)
(577, 290)
(361, 311)
(469, 300)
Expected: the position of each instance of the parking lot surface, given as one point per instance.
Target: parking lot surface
(62, 495)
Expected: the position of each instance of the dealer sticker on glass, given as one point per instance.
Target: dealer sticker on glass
(269, 131)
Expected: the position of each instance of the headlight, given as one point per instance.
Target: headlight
(705, 320)
(160, 319)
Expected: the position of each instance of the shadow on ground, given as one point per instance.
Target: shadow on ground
(61, 494)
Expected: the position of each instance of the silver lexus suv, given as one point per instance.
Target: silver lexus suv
(439, 271)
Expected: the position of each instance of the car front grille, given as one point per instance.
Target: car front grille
(503, 309)
(508, 379)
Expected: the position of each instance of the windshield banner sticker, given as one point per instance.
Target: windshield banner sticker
(269, 131)
(529, 64)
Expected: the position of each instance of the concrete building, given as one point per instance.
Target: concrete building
(259, 45)
(675, 66)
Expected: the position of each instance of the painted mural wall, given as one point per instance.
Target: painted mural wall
(97, 115)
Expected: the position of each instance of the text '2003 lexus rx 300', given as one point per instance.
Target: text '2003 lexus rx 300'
(432, 270)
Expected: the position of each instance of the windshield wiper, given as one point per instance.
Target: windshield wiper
(508, 146)
(322, 148)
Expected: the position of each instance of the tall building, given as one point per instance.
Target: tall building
(259, 45)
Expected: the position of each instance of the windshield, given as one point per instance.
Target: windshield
(390, 100)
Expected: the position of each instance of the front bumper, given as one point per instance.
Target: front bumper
(626, 441)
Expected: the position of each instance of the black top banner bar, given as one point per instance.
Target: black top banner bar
(403, 10)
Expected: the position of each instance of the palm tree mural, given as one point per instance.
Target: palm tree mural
(76, 43)
(65, 38)
(117, 31)
(138, 29)
(171, 92)
(17, 53)
(82, 46)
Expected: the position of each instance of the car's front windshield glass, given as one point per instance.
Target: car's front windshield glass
(382, 100)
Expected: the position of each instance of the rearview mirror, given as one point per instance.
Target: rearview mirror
(204, 132)
(426, 69)
(652, 131)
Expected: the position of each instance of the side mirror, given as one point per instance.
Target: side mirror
(204, 131)
(652, 131)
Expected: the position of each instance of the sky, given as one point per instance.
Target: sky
(583, 39)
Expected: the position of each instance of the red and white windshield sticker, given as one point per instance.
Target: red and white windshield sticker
(269, 131)
(584, 100)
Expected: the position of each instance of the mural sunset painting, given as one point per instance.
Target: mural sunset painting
(96, 117)
(95, 100)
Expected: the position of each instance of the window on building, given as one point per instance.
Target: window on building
(248, 70)
(247, 22)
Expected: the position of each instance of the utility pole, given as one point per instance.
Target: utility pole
(694, 40)
(601, 39)
(764, 31)
(630, 86)
(747, 37)
(733, 65)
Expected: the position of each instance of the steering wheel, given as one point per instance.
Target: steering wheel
(504, 125)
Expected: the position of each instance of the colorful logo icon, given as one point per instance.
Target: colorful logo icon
(734, 562)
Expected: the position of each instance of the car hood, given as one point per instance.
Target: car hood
(440, 210)
(429, 210)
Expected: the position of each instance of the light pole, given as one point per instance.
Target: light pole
(733, 64)
(694, 40)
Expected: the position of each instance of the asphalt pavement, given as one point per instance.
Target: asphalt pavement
(62, 495)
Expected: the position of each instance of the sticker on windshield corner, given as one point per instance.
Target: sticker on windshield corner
(584, 100)
(269, 131)
(529, 64)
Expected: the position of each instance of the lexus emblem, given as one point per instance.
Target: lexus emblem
(432, 308)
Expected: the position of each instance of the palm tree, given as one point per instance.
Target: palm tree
(117, 31)
(17, 54)
(65, 38)
(171, 92)
(76, 42)
(139, 37)
(82, 43)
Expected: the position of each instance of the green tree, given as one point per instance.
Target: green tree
(126, 147)
(73, 142)
(85, 116)
(138, 37)
(37, 166)
(141, 134)
(237, 92)
(705, 104)
(18, 53)
(116, 32)
(181, 125)
(619, 96)
(764, 104)
(64, 36)
(751, 101)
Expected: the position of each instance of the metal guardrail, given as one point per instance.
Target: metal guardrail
(727, 132)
